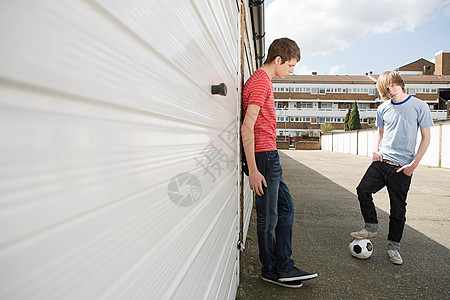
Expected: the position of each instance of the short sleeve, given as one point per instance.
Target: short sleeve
(424, 118)
(257, 93)
(380, 121)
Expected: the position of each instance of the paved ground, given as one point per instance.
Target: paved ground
(323, 187)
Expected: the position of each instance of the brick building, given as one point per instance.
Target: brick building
(303, 102)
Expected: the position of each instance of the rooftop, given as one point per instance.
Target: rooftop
(362, 79)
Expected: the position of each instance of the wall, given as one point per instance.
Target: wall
(119, 170)
(361, 143)
(307, 145)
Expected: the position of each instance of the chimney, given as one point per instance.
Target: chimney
(314, 73)
(442, 63)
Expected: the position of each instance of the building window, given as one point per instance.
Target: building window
(281, 89)
(426, 91)
(363, 106)
(305, 104)
(322, 91)
(334, 90)
(369, 91)
(314, 91)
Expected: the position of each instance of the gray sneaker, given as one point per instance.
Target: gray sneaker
(363, 234)
(395, 257)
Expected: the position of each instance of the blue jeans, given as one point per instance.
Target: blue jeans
(377, 176)
(275, 216)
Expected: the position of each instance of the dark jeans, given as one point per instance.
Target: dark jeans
(378, 175)
(275, 216)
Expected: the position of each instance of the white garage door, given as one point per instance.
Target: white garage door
(118, 167)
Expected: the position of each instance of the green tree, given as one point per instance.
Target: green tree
(354, 123)
(347, 118)
(326, 127)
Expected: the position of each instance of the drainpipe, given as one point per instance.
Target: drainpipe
(258, 26)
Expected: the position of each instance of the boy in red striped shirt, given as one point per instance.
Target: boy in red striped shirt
(274, 204)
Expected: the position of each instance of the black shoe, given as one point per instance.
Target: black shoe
(273, 278)
(296, 274)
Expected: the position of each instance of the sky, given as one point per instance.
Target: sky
(352, 37)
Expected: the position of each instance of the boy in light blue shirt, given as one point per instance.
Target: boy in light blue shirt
(394, 158)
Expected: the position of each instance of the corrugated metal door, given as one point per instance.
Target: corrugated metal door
(118, 168)
(248, 67)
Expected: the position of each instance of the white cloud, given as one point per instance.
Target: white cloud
(301, 69)
(325, 26)
(334, 69)
(447, 10)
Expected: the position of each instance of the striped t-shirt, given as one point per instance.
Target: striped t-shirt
(258, 90)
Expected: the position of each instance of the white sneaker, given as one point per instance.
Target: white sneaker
(363, 234)
(395, 257)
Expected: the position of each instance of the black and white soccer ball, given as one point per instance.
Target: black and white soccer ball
(361, 249)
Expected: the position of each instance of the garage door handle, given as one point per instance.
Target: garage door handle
(219, 89)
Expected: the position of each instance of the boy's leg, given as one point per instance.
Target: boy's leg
(372, 182)
(287, 271)
(398, 185)
(283, 231)
(266, 209)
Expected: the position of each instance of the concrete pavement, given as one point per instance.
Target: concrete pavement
(323, 187)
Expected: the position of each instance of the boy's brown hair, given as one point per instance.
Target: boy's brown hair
(285, 48)
(387, 79)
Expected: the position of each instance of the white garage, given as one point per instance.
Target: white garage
(120, 172)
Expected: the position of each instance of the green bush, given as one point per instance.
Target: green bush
(354, 122)
(347, 118)
(327, 127)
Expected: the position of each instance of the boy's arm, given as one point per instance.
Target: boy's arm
(248, 140)
(376, 145)
(424, 143)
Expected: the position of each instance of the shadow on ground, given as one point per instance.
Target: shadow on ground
(325, 215)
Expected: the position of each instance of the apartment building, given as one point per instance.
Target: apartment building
(303, 102)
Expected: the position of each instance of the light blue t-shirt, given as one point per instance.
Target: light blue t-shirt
(401, 122)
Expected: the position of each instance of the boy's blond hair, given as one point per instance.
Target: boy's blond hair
(387, 79)
(285, 48)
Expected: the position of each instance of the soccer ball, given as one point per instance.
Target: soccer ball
(361, 249)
